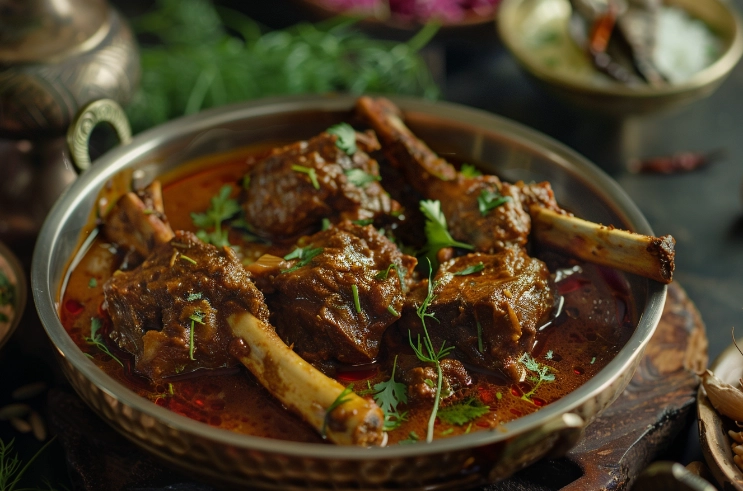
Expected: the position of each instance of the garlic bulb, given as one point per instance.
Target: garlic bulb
(727, 399)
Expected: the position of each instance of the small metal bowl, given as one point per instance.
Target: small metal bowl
(231, 459)
(566, 70)
(10, 315)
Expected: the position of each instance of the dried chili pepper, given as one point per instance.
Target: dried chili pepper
(674, 164)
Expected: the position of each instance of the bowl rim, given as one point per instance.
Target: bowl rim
(46, 300)
(718, 70)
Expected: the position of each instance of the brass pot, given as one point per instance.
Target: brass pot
(232, 459)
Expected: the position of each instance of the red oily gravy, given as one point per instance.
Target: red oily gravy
(597, 319)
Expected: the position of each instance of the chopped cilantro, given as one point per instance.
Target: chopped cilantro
(364, 222)
(304, 255)
(92, 283)
(475, 268)
(392, 311)
(356, 302)
(447, 432)
(437, 232)
(412, 438)
(388, 395)
(187, 259)
(489, 200)
(342, 398)
(193, 296)
(359, 178)
(196, 317)
(325, 224)
(95, 338)
(593, 360)
(222, 208)
(499, 395)
(346, 140)
(479, 336)
(549, 355)
(463, 412)
(469, 170)
(311, 173)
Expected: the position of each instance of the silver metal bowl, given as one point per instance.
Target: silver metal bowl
(227, 458)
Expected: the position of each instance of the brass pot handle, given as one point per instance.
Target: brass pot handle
(78, 134)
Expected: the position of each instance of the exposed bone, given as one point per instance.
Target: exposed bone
(650, 257)
(303, 388)
(137, 221)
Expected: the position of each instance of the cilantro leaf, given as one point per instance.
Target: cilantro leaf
(311, 173)
(359, 178)
(437, 231)
(470, 171)
(489, 200)
(346, 140)
(387, 396)
(412, 438)
(475, 268)
(304, 256)
(195, 317)
(95, 338)
(463, 412)
(222, 208)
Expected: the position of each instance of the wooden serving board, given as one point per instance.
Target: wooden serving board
(642, 424)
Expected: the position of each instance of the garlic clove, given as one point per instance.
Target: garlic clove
(725, 398)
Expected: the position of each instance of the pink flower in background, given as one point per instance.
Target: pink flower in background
(447, 11)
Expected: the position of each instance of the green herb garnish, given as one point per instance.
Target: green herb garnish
(303, 254)
(364, 222)
(346, 138)
(12, 469)
(549, 355)
(593, 360)
(341, 399)
(325, 224)
(479, 336)
(187, 259)
(392, 311)
(489, 200)
(311, 173)
(463, 412)
(412, 438)
(387, 396)
(437, 232)
(7, 290)
(470, 171)
(95, 338)
(222, 208)
(195, 317)
(359, 178)
(356, 302)
(193, 296)
(430, 355)
(540, 373)
(475, 268)
(92, 283)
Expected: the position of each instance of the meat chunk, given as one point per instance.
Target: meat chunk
(421, 379)
(170, 311)
(488, 306)
(469, 203)
(137, 221)
(336, 301)
(293, 189)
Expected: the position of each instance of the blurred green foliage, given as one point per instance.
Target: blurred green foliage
(194, 56)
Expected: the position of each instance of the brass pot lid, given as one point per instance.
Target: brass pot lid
(34, 31)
